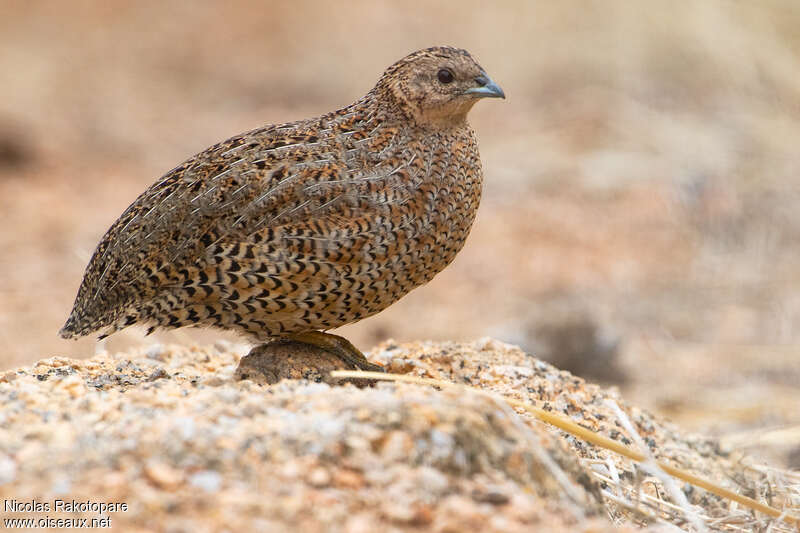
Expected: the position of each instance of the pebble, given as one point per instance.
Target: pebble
(319, 477)
(208, 480)
(8, 470)
(163, 475)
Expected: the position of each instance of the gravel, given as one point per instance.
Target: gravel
(172, 433)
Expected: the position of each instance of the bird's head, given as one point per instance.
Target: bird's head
(437, 86)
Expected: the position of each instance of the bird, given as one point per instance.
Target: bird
(290, 230)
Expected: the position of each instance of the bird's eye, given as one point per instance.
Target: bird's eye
(445, 76)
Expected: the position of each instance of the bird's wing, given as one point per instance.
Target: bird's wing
(279, 177)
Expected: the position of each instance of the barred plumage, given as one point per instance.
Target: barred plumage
(302, 226)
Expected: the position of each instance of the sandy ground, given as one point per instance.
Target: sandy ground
(639, 224)
(176, 436)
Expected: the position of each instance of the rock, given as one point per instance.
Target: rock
(269, 363)
(188, 444)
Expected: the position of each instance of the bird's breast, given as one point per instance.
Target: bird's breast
(425, 192)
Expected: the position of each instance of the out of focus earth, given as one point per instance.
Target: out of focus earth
(640, 223)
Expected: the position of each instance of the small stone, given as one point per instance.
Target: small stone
(290, 470)
(348, 479)
(423, 515)
(319, 477)
(158, 373)
(8, 470)
(398, 511)
(185, 426)
(269, 363)
(221, 345)
(396, 446)
(157, 352)
(360, 523)
(214, 381)
(490, 496)
(512, 371)
(401, 366)
(162, 475)
(115, 480)
(208, 480)
(54, 362)
(74, 385)
(486, 344)
(357, 444)
(61, 485)
(433, 480)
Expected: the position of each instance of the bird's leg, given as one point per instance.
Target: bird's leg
(336, 345)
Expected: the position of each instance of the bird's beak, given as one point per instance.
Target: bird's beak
(486, 88)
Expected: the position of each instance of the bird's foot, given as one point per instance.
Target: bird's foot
(338, 346)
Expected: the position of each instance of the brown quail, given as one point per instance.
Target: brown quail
(289, 230)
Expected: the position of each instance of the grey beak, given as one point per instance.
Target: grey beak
(486, 88)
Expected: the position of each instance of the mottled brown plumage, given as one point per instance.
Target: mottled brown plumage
(304, 226)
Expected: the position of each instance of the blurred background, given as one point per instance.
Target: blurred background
(640, 223)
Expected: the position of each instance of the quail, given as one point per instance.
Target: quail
(289, 230)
